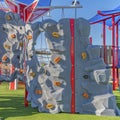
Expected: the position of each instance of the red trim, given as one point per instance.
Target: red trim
(21, 11)
(38, 12)
(72, 77)
(100, 13)
(12, 6)
(28, 11)
(109, 16)
(99, 21)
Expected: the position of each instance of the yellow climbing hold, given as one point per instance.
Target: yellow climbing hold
(6, 46)
(21, 44)
(33, 74)
(85, 95)
(29, 37)
(13, 36)
(84, 55)
(38, 92)
(8, 17)
(49, 106)
(57, 59)
(4, 58)
(56, 34)
(57, 83)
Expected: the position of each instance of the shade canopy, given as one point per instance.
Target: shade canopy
(106, 16)
(29, 10)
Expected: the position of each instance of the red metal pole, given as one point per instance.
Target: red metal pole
(104, 41)
(72, 51)
(117, 56)
(113, 50)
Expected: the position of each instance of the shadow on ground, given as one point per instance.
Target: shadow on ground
(14, 107)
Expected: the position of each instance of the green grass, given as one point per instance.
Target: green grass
(12, 108)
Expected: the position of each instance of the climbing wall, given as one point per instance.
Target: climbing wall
(76, 67)
(11, 48)
(75, 80)
(39, 86)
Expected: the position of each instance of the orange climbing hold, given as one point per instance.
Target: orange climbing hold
(85, 95)
(29, 37)
(56, 83)
(4, 58)
(57, 59)
(49, 106)
(56, 34)
(21, 71)
(38, 92)
(13, 36)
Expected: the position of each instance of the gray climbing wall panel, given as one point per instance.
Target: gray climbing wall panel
(92, 93)
(12, 35)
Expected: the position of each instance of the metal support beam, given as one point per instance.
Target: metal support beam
(104, 41)
(113, 51)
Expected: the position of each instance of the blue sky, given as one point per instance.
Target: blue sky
(90, 8)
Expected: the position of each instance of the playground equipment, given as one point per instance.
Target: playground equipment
(111, 19)
(82, 74)
(75, 69)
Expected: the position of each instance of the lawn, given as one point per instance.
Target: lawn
(12, 108)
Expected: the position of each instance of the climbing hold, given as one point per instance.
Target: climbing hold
(4, 58)
(18, 56)
(56, 83)
(86, 76)
(49, 106)
(21, 44)
(84, 55)
(20, 71)
(21, 27)
(29, 37)
(85, 95)
(57, 59)
(13, 36)
(55, 34)
(39, 92)
(6, 46)
(8, 17)
(33, 74)
(3, 28)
